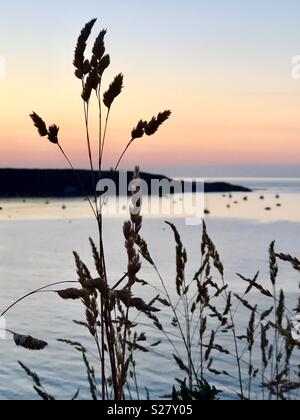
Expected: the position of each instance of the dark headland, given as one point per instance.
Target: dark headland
(62, 183)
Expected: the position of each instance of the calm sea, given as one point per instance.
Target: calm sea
(36, 251)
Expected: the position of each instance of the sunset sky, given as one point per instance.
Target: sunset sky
(222, 66)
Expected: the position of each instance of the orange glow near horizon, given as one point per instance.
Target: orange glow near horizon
(210, 128)
(225, 112)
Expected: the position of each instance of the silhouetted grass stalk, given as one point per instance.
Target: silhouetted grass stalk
(203, 309)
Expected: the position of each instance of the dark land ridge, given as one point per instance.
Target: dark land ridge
(62, 183)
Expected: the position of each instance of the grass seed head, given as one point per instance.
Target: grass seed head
(113, 91)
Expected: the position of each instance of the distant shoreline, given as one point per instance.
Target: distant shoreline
(61, 183)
